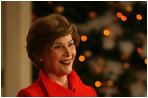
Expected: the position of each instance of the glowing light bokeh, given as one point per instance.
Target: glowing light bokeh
(83, 38)
(97, 83)
(106, 32)
(81, 58)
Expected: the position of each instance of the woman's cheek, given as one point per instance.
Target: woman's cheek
(74, 52)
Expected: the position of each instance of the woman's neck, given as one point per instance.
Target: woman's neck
(61, 80)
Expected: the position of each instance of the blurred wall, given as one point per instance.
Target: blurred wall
(15, 65)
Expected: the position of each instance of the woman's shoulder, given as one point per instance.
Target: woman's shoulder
(34, 90)
(24, 93)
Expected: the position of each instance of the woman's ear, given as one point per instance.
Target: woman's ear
(40, 57)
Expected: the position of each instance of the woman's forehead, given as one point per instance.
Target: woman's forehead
(62, 42)
(64, 39)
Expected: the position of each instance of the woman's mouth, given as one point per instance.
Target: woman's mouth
(66, 62)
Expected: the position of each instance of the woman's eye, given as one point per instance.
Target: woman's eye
(71, 44)
(57, 47)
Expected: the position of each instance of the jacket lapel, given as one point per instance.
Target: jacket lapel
(76, 84)
(56, 90)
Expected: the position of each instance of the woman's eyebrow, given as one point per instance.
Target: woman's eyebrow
(57, 43)
(70, 41)
(61, 43)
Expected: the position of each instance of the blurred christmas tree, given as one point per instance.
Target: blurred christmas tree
(112, 55)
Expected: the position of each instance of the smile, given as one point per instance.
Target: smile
(66, 62)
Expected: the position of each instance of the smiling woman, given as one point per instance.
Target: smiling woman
(58, 59)
(51, 43)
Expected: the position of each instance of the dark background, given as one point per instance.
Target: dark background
(116, 60)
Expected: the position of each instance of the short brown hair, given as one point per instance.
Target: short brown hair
(44, 31)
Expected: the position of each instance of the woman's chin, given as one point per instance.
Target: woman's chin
(67, 71)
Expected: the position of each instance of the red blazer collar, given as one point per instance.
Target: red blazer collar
(55, 90)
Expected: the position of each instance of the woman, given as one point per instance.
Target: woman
(51, 45)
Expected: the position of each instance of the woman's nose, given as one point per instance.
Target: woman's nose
(67, 52)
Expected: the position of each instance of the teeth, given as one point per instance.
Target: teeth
(65, 61)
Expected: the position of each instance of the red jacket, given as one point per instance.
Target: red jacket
(44, 87)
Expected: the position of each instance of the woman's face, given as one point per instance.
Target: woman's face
(58, 58)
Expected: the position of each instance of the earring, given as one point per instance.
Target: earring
(41, 59)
